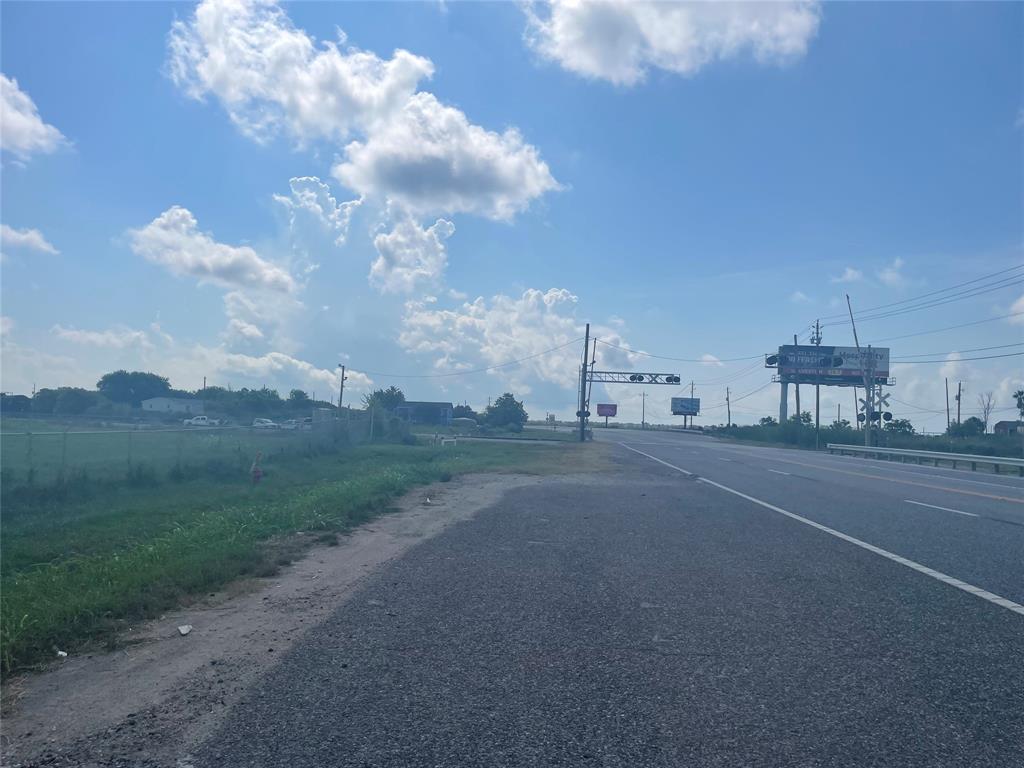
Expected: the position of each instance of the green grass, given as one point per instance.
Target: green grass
(77, 566)
(46, 454)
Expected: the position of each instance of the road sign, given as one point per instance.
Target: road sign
(685, 406)
(806, 364)
(607, 409)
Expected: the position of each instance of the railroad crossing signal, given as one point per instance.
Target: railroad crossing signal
(626, 377)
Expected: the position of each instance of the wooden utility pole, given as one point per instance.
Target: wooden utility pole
(583, 386)
(959, 392)
(341, 389)
(728, 409)
(643, 410)
(797, 386)
(947, 405)
(817, 390)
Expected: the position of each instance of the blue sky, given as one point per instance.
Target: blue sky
(695, 192)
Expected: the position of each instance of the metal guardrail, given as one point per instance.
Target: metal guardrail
(935, 456)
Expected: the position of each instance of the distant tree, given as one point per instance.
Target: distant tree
(972, 427)
(1019, 397)
(132, 386)
(768, 421)
(386, 399)
(44, 400)
(899, 427)
(73, 400)
(464, 412)
(840, 424)
(506, 411)
(802, 418)
(15, 403)
(986, 401)
(297, 398)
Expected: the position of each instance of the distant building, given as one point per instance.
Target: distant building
(1008, 427)
(173, 405)
(434, 414)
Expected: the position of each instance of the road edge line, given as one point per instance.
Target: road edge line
(655, 458)
(984, 594)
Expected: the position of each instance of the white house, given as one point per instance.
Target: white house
(173, 405)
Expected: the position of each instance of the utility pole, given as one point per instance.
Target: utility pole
(947, 404)
(691, 397)
(728, 409)
(856, 424)
(959, 392)
(797, 388)
(341, 389)
(839, 412)
(816, 339)
(643, 410)
(869, 384)
(583, 386)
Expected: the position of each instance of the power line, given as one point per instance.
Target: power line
(951, 327)
(678, 359)
(477, 370)
(961, 351)
(960, 359)
(932, 293)
(1006, 283)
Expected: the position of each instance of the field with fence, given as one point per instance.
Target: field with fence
(104, 527)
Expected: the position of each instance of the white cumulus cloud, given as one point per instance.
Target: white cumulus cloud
(312, 209)
(173, 240)
(27, 239)
(799, 297)
(892, 275)
(112, 338)
(620, 40)
(431, 159)
(1017, 308)
(398, 144)
(409, 256)
(22, 131)
(850, 275)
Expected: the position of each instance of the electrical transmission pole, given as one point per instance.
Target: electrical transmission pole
(869, 384)
(947, 405)
(797, 388)
(816, 339)
(341, 389)
(959, 392)
(583, 386)
(643, 410)
(728, 409)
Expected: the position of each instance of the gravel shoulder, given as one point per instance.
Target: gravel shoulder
(163, 690)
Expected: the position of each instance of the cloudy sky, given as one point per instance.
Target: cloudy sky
(254, 193)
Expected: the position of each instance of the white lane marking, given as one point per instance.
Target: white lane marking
(655, 458)
(778, 472)
(722, 458)
(935, 506)
(1002, 602)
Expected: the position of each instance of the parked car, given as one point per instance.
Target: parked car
(201, 421)
(290, 424)
(264, 424)
(306, 423)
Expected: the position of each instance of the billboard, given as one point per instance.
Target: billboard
(806, 364)
(685, 406)
(607, 409)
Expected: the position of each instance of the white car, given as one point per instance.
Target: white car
(201, 421)
(264, 424)
(290, 424)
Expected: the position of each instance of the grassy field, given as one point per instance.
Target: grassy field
(44, 453)
(79, 562)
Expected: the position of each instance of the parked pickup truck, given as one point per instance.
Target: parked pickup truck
(201, 421)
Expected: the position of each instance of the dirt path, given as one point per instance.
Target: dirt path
(164, 691)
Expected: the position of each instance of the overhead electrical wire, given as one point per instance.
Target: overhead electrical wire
(959, 359)
(961, 351)
(951, 327)
(476, 370)
(678, 359)
(1015, 268)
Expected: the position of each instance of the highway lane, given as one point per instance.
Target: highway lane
(950, 523)
(648, 618)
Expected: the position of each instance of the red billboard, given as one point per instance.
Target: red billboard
(607, 409)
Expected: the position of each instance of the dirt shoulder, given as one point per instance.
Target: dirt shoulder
(164, 690)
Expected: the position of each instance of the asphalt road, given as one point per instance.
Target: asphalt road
(702, 604)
